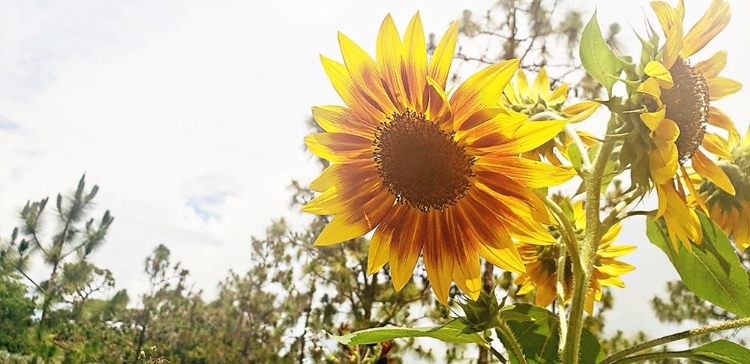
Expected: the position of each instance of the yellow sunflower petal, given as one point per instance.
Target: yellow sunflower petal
(341, 119)
(540, 88)
(440, 63)
(532, 174)
(437, 109)
(339, 147)
(406, 245)
(719, 87)
(650, 87)
(662, 169)
(717, 145)
(481, 90)
(657, 70)
(545, 290)
(467, 274)
(529, 136)
(415, 61)
(653, 119)
(615, 251)
(559, 95)
(354, 223)
(711, 67)
(388, 56)
(718, 118)
(342, 83)
(706, 28)
(438, 264)
(365, 75)
(522, 85)
(710, 171)
(671, 23)
(580, 111)
(380, 246)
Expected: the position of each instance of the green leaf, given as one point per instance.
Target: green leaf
(597, 58)
(537, 330)
(721, 351)
(450, 332)
(712, 271)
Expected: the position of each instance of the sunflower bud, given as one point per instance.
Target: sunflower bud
(480, 314)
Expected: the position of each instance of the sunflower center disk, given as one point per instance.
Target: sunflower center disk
(687, 105)
(421, 165)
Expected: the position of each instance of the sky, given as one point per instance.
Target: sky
(190, 117)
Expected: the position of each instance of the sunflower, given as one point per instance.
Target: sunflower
(430, 174)
(677, 97)
(541, 102)
(732, 213)
(541, 266)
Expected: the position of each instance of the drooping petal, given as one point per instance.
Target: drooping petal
(717, 145)
(710, 171)
(438, 260)
(718, 118)
(662, 75)
(580, 111)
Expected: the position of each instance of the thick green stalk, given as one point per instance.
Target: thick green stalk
(592, 179)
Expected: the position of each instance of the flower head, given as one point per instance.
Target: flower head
(430, 174)
(677, 97)
(732, 212)
(542, 268)
(541, 102)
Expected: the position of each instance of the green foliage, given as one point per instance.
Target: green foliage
(451, 332)
(597, 57)
(15, 316)
(712, 271)
(720, 351)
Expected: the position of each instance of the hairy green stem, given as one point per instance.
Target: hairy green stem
(515, 347)
(573, 135)
(592, 179)
(674, 337)
(568, 230)
(561, 261)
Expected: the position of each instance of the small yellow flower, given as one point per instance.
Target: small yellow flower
(541, 266)
(430, 174)
(541, 102)
(677, 96)
(732, 213)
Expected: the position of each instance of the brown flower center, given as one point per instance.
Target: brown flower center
(421, 165)
(687, 105)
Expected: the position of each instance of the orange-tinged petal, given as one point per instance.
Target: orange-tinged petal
(342, 83)
(467, 275)
(354, 223)
(532, 174)
(442, 57)
(437, 262)
(415, 62)
(365, 75)
(380, 247)
(710, 171)
(327, 178)
(343, 120)
(388, 56)
(530, 135)
(719, 87)
(481, 91)
(407, 243)
(711, 67)
(437, 109)
(339, 147)
(713, 21)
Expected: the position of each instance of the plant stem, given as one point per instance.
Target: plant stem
(515, 347)
(561, 260)
(592, 179)
(568, 231)
(678, 336)
(573, 135)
